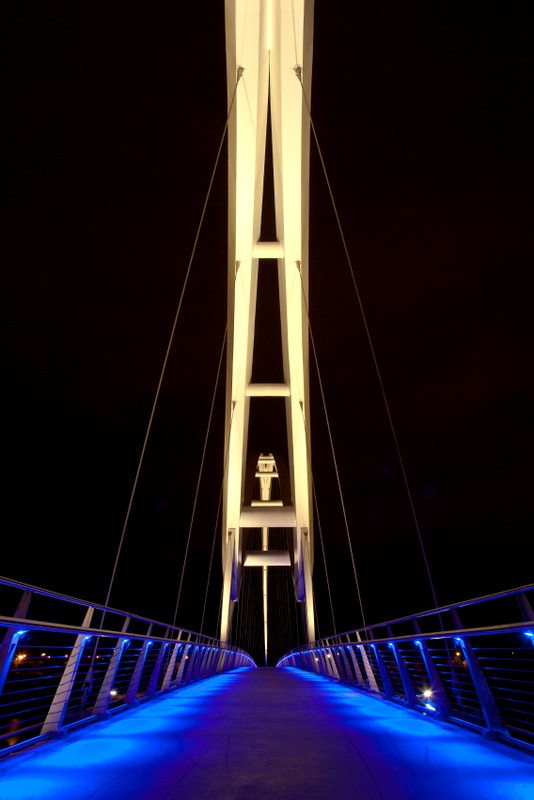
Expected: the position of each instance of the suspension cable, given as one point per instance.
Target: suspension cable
(338, 479)
(211, 560)
(200, 476)
(324, 555)
(298, 73)
(169, 345)
(225, 465)
(308, 453)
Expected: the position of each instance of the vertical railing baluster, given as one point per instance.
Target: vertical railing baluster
(171, 665)
(495, 726)
(354, 660)
(439, 695)
(153, 682)
(409, 691)
(133, 688)
(384, 674)
(102, 701)
(12, 638)
(56, 713)
(367, 666)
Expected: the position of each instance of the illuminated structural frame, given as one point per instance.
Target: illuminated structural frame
(269, 53)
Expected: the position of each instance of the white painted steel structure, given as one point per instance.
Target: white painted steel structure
(269, 57)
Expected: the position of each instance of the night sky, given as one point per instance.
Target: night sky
(424, 116)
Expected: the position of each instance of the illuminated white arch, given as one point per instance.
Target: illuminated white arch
(269, 50)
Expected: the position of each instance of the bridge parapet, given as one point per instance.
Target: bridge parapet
(65, 662)
(471, 663)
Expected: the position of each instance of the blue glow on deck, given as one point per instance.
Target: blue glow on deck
(269, 734)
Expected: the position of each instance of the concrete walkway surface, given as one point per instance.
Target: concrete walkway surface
(268, 734)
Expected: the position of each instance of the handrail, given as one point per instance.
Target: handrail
(58, 675)
(97, 606)
(479, 676)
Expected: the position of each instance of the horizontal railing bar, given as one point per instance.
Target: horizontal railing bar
(335, 641)
(440, 610)
(58, 627)
(97, 606)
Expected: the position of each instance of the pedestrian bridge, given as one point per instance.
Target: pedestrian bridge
(114, 705)
(100, 703)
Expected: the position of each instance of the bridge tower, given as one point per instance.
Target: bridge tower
(269, 60)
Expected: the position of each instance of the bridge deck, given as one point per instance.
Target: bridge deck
(268, 733)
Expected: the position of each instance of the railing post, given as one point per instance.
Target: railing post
(367, 666)
(183, 662)
(209, 661)
(323, 665)
(386, 681)
(198, 666)
(191, 660)
(492, 716)
(439, 695)
(526, 609)
(133, 688)
(354, 660)
(102, 701)
(56, 712)
(332, 658)
(346, 668)
(221, 660)
(11, 639)
(166, 685)
(409, 691)
(153, 682)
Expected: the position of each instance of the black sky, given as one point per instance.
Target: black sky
(424, 116)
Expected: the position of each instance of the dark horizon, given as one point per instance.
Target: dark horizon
(425, 125)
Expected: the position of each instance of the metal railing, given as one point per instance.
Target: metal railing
(477, 671)
(70, 662)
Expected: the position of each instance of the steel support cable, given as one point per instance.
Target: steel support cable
(195, 501)
(171, 338)
(225, 466)
(308, 452)
(332, 448)
(371, 346)
(324, 554)
(211, 560)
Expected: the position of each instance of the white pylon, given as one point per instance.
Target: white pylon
(269, 49)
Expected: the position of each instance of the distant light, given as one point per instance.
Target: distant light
(427, 693)
(43, 655)
(113, 692)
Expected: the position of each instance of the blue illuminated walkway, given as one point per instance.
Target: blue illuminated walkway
(268, 734)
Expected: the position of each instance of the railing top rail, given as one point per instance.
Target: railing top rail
(449, 634)
(98, 607)
(57, 627)
(327, 641)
